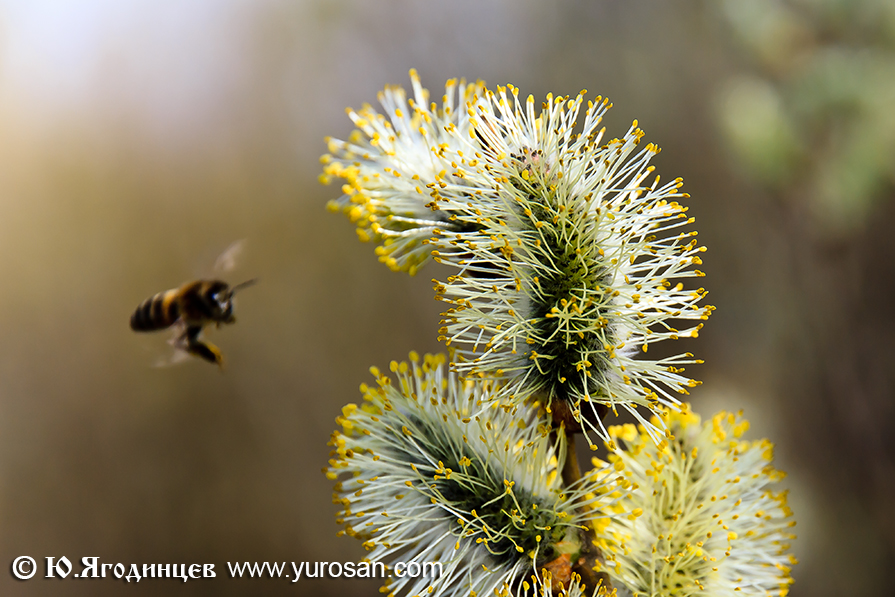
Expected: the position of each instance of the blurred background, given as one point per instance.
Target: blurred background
(139, 139)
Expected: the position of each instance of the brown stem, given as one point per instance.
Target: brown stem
(590, 555)
(571, 471)
(565, 426)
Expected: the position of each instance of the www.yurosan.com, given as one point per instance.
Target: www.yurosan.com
(300, 570)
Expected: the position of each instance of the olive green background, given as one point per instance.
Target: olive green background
(138, 140)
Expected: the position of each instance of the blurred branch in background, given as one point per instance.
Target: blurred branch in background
(812, 120)
(809, 118)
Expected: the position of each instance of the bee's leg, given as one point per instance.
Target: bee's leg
(230, 319)
(203, 350)
(207, 351)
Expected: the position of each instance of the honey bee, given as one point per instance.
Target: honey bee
(188, 309)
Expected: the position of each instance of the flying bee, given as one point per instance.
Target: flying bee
(189, 308)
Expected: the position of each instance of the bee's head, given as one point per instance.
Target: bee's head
(222, 297)
(221, 303)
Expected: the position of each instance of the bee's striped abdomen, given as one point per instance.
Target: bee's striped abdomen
(158, 312)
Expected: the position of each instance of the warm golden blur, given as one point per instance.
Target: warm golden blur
(138, 140)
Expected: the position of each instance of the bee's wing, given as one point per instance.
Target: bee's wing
(228, 260)
(176, 357)
(178, 353)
